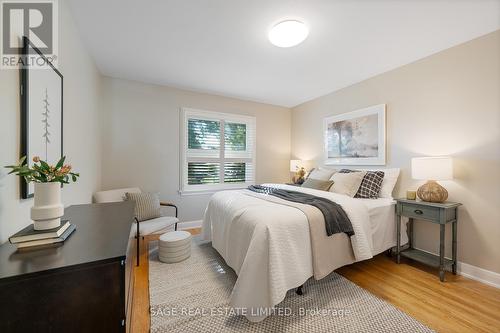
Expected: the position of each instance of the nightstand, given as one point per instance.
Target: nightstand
(439, 213)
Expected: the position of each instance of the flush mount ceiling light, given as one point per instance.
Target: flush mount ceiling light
(288, 33)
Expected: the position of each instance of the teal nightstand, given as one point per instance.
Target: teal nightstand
(439, 213)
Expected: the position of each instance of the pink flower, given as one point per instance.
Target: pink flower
(65, 169)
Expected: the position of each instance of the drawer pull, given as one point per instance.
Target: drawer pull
(418, 211)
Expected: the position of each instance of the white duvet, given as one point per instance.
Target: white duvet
(268, 244)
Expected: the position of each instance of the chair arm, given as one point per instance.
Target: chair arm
(163, 203)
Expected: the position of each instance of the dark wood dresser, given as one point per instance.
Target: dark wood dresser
(83, 285)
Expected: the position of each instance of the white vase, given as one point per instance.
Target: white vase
(47, 211)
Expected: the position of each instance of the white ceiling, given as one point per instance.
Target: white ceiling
(221, 46)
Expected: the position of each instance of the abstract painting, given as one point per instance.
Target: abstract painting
(356, 138)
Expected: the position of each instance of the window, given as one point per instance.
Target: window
(217, 151)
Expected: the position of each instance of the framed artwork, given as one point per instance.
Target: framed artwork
(355, 138)
(41, 113)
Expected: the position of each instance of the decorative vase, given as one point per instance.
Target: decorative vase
(299, 176)
(47, 211)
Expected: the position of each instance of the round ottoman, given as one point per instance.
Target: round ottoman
(174, 246)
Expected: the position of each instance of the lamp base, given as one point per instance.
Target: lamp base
(432, 192)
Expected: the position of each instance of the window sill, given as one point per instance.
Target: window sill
(212, 191)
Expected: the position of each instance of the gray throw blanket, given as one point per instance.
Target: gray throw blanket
(336, 219)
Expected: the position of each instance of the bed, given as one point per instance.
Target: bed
(268, 244)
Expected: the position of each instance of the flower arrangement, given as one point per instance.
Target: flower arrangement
(42, 172)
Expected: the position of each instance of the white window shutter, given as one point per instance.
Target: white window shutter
(217, 151)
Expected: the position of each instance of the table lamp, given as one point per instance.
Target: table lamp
(432, 169)
(297, 167)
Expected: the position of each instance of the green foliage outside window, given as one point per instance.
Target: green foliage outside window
(235, 136)
(203, 134)
(206, 135)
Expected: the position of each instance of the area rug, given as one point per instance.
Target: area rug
(193, 296)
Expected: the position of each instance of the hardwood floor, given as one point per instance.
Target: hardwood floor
(458, 305)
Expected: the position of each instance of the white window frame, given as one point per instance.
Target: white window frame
(187, 113)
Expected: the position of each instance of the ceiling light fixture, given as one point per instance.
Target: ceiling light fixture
(288, 33)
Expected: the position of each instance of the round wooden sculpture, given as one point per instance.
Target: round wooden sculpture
(432, 192)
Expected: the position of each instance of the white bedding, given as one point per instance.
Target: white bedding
(382, 220)
(268, 244)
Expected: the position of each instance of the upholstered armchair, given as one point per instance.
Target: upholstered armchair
(157, 225)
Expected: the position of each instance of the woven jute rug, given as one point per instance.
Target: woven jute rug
(193, 296)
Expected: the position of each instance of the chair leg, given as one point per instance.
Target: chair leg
(138, 252)
(138, 236)
(175, 228)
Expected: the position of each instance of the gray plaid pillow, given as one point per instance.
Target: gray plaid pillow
(147, 205)
(371, 184)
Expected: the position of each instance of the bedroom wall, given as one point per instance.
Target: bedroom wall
(141, 139)
(445, 104)
(82, 129)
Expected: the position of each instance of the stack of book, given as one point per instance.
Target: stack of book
(29, 237)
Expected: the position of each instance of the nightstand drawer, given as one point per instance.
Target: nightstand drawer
(420, 212)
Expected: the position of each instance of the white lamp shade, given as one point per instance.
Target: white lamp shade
(432, 168)
(295, 165)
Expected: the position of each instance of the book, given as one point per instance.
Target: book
(46, 241)
(30, 234)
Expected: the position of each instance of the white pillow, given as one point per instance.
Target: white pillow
(347, 183)
(321, 173)
(390, 178)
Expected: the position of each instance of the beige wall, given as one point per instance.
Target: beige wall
(82, 131)
(446, 104)
(141, 139)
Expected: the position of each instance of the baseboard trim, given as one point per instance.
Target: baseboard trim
(476, 273)
(479, 274)
(189, 224)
